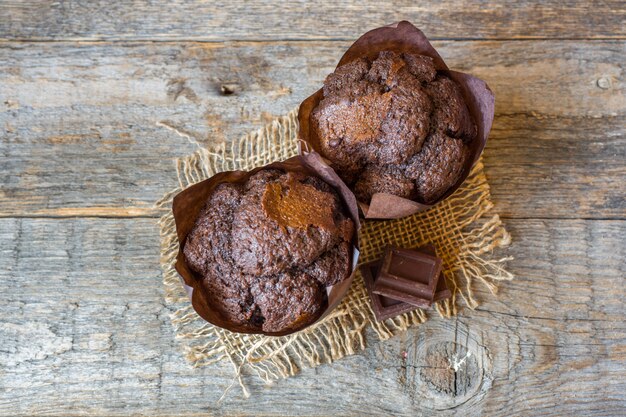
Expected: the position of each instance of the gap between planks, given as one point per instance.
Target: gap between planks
(98, 213)
(95, 41)
(304, 40)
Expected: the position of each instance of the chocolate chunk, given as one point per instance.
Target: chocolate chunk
(384, 307)
(408, 275)
(442, 291)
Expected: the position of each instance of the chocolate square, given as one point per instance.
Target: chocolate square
(384, 307)
(441, 292)
(408, 275)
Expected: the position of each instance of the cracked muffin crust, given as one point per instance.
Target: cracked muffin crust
(394, 125)
(267, 249)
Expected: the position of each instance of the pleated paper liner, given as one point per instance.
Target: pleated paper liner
(404, 37)
(188, 203)
(463, 227)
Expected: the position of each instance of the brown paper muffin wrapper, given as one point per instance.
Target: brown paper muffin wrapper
(465, 228)
(188, 204)
(404, 37)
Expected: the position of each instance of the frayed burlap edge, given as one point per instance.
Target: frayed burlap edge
(460, 228)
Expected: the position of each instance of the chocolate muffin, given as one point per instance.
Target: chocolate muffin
(266, 249)
(394, 125)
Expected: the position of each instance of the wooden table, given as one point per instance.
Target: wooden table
(85, 92)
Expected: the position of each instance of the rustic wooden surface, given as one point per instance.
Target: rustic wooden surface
(85, 93)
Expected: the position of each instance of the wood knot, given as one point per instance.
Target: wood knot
(228, 89)
(603, 83)
(450, 369)
(178, 88)
(447, 368)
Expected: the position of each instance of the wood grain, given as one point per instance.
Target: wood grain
(84, 331)
(80, 137)
(91, 94)
(307, 20)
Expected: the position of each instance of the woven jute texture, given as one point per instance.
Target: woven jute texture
(462, 229)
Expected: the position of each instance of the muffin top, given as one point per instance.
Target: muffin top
(394, 125)
(267, 248)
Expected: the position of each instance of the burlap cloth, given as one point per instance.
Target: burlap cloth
(462, 229)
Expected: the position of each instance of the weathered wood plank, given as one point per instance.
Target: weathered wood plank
(78, 121)
(558, 167)
(261, 20)
(84, 331)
